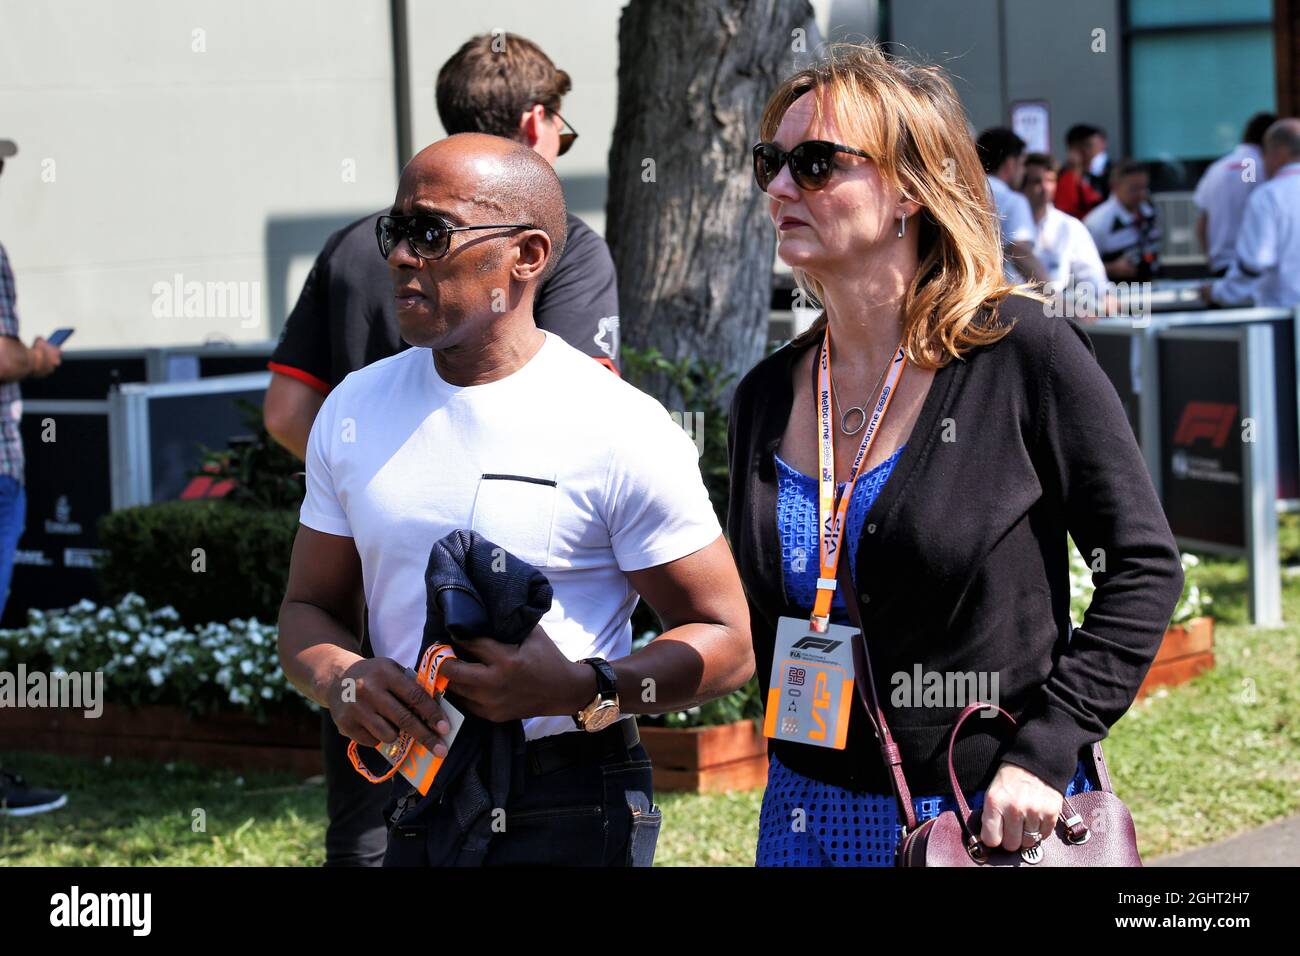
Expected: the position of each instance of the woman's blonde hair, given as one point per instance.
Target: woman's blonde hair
(908, 118)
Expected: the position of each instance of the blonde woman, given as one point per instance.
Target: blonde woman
(1000, 435)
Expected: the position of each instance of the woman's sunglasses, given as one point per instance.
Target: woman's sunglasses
(811, 162)
(430, 235)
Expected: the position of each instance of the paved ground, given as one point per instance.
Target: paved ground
(1275, 844)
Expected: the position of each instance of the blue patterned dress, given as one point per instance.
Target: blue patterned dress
(841, 827)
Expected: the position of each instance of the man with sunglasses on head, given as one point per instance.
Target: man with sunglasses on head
(491, 424)
(344, 319)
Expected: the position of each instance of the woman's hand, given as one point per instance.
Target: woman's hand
(1015, 802)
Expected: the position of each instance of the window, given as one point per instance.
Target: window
(1197, 71)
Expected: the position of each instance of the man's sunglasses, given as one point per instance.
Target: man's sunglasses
(567, 135)
(430, 235)
(811, 162)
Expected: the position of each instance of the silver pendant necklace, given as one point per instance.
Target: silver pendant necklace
(860, 409)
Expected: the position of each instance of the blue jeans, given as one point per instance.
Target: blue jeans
(13, 520)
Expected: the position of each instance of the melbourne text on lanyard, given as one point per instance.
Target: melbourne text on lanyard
(811, 689)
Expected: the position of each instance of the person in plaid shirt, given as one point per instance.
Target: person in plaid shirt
(17, 362)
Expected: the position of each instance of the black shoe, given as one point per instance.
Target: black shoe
(19, 800)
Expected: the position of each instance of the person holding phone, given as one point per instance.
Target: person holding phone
(17, 362)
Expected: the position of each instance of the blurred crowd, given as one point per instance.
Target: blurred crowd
(1080, 225)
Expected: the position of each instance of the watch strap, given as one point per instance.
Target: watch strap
(606, 679)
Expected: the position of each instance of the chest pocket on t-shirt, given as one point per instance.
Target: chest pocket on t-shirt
(517, 512)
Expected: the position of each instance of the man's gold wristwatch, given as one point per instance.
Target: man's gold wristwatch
(603, 710)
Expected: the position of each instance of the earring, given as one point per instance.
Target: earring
(902, 226)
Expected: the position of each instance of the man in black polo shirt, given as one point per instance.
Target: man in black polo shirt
(345, 318)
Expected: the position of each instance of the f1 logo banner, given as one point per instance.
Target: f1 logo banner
(1202, 458)
(1212, 421)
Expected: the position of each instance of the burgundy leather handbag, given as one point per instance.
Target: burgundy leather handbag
(1094, 828)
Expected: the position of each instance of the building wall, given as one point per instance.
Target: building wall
(1000, 51)
(221, 141)
(215, 140)
(580, 37)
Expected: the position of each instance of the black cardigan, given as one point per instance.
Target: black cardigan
(962, 565)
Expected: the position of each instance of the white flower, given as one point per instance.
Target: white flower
(156, 676)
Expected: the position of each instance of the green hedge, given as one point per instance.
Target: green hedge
(150, 551)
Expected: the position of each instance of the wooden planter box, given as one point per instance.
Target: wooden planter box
(707, 759)
(694, 759)
(237, 741)
(1187, 650)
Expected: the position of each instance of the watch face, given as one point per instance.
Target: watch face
(606, 713)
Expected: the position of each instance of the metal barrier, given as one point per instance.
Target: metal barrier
(91, 449)
(1213, 400)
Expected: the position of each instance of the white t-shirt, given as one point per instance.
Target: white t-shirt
(1014, 211)
(1264, 268)
(1222, 194)
(1016, 221)
(562, 463)
(1066, 249)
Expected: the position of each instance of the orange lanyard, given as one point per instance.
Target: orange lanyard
(434, 683)
(831, 512)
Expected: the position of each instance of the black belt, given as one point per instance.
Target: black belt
(558, 751)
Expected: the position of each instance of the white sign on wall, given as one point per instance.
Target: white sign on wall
(1031, 121)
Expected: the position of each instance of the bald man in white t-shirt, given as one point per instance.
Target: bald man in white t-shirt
(490, 424)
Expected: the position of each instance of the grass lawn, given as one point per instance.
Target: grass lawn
(1195, 764)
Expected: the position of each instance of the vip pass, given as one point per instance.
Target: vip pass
(811, 687)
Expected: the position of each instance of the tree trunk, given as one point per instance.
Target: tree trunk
(687, 227)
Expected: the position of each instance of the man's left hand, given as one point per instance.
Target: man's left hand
(511, 682)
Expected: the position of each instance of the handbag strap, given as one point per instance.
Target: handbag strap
(865, 682)
(1073, 822)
